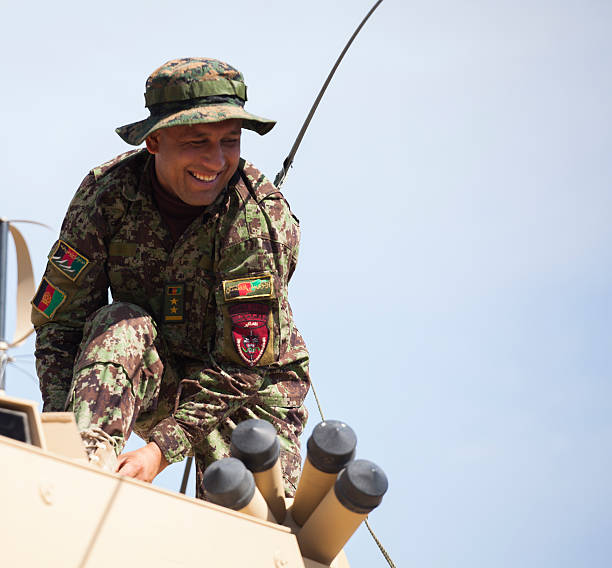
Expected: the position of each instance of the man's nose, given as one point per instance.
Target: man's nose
(213, 158)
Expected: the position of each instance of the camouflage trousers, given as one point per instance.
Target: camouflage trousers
(124, 381)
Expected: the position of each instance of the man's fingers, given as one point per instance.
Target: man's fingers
(144, 463)
(128, 469)
(122, 460)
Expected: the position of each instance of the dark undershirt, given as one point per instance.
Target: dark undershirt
(176, 214)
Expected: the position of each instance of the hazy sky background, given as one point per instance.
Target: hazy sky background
(455, 197)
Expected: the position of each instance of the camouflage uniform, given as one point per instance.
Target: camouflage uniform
(200, 334)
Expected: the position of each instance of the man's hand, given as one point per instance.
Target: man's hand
(143, 464)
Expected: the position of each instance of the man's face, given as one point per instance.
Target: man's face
(196, 162)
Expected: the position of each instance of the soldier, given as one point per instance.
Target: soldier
(197, 248)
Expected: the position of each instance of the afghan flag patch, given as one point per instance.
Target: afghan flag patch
(67, 260)
(250, 331)
(258, 287)
(174, 303)
(48, 298)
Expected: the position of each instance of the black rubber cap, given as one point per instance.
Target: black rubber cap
(255, 444)
(229, 483)
(331, 446)
(360, 486)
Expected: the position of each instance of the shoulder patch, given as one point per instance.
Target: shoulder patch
(48, 298)
(243, 288)
(250, 331)
(67, 260)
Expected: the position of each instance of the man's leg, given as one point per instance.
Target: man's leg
(117, 374)
(289, 423)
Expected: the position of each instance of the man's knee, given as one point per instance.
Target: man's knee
(120, 333)
(121, 317)
(117, 312)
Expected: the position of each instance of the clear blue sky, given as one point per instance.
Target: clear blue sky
(455, 273)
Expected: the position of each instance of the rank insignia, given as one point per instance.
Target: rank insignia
(174, 303)
(67, 260)
(48, 298)
(250, 330)
(258, 287)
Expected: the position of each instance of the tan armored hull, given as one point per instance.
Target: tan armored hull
(58, 511)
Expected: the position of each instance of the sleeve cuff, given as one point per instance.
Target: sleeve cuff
(171, 439)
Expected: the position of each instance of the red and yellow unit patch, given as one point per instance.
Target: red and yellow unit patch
(250, 331)
(254, 287)
(174, 303)
(48, 298)
(67, 260)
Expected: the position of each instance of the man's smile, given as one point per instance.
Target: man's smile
(203, 177)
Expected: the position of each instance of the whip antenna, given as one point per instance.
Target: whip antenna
(288, 161)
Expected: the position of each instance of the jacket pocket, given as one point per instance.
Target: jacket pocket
(247, 320)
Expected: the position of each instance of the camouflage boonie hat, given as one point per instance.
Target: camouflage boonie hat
(193, 90)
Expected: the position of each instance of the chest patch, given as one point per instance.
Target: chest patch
(257, 287)
(250, 332)
(48, 298)
(174, 303)
(67, 260)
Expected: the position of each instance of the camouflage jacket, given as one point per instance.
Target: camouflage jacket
(240, 252)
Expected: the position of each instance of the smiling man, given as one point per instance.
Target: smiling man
(195, 163)
(196, 247)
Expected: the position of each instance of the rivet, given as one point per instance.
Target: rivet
(279, 561)
(47, 493)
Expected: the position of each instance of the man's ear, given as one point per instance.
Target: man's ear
(152, 142)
